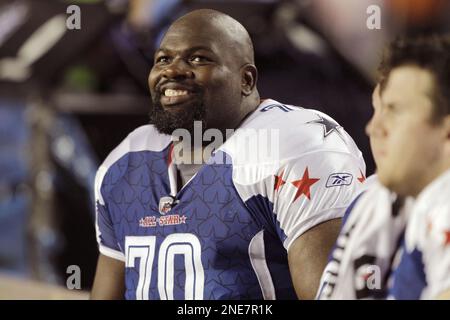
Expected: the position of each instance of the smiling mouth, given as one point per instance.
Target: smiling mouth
(173, 97)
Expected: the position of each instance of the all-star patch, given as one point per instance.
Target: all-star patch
(169, 220)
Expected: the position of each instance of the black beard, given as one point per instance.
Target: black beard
(167, 122)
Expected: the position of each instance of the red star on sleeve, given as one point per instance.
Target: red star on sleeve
(447, 238)
(279, 181)
(362, 178)
(170, 155)
(303, 185)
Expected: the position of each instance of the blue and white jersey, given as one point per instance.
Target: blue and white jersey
(423, 271)
(365, 248)
(384, 252)
(228, 234)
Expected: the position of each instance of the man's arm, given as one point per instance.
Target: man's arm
(109, 283)
(308, 256)
(444, 295)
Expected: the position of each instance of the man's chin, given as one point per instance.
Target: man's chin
(392, 183)
(172, 121)
(168, 118)
(168, 127)
(181, 104)
(384, 177)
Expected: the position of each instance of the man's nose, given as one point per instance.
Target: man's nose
(376, 125)
(178, 69)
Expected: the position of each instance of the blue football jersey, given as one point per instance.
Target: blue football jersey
(226, 233)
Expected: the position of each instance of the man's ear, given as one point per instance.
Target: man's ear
(249, 77)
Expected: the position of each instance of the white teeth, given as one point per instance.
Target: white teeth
(175, 93)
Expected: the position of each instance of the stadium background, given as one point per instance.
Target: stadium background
(68, 97)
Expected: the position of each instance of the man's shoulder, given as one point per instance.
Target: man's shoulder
(373, 197)
(430, 215)
(274, 114)
(435, 194)
(293, 131)
(142, 140)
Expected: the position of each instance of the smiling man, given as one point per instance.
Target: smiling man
(395, 242)
(236, 225)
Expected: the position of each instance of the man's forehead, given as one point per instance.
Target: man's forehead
(197, 27)
(407, 81)
(187, 41)
(218, 33)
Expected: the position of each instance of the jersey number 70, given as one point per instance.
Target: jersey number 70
(144, 248)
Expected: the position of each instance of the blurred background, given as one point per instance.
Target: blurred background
(68, 97)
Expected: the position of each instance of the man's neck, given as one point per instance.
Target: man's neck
(433, 176)
(188, 154)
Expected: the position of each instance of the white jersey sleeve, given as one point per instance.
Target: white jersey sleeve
(313, 175)
(316, 188)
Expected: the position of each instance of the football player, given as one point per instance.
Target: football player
(395, 242)
(236, 225)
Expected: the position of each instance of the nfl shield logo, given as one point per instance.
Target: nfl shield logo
(165, 204)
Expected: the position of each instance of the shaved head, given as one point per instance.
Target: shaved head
(206, 58)
(231, 32)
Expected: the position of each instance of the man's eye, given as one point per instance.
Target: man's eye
(199, 59)
(162, 59)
